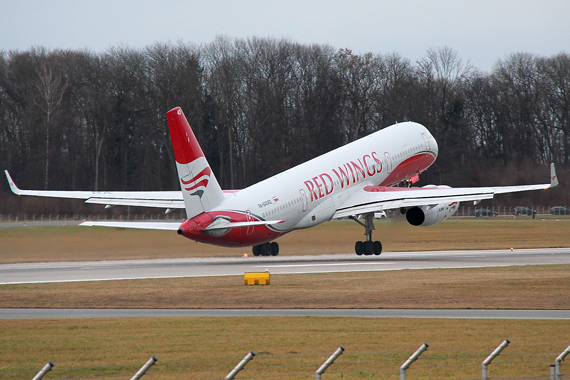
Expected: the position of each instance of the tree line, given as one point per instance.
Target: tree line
(79, 120)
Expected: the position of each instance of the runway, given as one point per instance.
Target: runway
(171, 268)
(194, 267)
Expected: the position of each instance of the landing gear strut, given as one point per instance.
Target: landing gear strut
(367, 247)
(266, 249)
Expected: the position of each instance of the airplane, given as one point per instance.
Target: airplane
(354, 181)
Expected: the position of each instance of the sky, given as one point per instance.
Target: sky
(481, 31)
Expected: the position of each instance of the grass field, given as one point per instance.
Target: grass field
(524, 287)
(32, 244)
(289, 348)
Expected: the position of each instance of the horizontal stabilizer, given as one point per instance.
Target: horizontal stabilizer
(140, 202)
(167, 226)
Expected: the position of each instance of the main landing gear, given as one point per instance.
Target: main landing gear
(367, 247)
(266, 249)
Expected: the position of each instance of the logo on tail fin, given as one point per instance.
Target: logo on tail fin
(198, 182)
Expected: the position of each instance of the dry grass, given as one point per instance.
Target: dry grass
(291, 348)
(31, 244)
(525, 287)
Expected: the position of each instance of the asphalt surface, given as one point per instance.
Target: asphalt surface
(195, 267)
(138, 269)
(358, 313)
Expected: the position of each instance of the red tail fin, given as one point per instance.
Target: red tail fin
(200, 188)
(186, 147)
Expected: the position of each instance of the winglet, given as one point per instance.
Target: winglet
(553, 178)
(13, 186)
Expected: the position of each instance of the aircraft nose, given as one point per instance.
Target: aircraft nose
(434, 146)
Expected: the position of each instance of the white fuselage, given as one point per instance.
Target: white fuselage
(310, 193)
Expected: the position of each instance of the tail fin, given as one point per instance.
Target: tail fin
(200, 189)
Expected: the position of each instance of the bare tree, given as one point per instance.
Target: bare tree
(518, 94)
(50, 85)
(554, 79)
(223, 84)
(359, 86)
(261, 105)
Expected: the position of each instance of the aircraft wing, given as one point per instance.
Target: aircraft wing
(161, 199)
(377, 198)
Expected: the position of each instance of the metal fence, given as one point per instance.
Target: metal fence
(469, 211)
(450, 363)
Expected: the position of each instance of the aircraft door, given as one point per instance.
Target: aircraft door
(304, 200)
(388, 162)
(426, 142)
(249, 218)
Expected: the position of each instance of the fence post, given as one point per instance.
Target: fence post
(327, 363)
(43, 371)
(412, 359)
(552, 372)
(140, 373)
(557, 362)
(490, 358)
(240, 366)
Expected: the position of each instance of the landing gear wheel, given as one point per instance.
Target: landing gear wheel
(368, 248)
(273, 248)
(266, 249)
(358, 248)
(377, 248)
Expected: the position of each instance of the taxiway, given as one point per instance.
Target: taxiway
(350, 313)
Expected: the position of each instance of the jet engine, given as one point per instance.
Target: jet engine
(430, 215)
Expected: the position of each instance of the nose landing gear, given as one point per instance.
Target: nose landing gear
(367, 247)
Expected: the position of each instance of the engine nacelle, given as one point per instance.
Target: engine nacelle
(430, 215)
